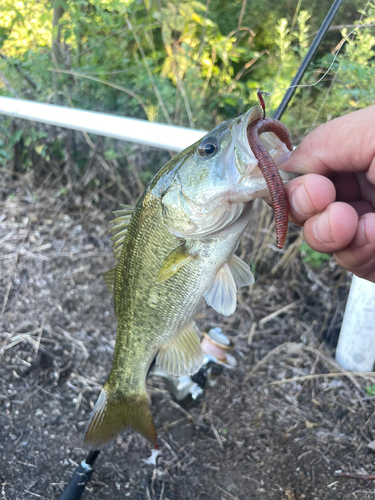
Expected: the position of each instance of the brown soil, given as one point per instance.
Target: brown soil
(246, 440)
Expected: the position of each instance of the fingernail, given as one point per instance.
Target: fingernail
(281, 158)
(360, 239)
(300, 201)
(322, 229)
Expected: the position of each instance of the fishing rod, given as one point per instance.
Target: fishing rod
(307, 59)
(83, 473)
(80, 478)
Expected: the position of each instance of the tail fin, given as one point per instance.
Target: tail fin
(111, 416)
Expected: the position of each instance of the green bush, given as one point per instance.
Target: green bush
(170, 61)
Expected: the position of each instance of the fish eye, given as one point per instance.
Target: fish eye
(208, 147)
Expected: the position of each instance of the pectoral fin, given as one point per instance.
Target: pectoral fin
(182, 355)
(175, 261)
(222, 294)
(240, 271)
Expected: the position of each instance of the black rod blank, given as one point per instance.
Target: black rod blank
(310, 54)
(80, 478)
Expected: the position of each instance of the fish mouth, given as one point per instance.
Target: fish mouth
(249, 179)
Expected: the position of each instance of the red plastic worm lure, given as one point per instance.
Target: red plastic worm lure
(268, 168)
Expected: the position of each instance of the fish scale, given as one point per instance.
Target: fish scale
(177, 251)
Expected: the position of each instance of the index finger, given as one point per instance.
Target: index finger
(346, 144)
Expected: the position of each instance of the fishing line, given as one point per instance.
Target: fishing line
(333, 81)
(330, 66)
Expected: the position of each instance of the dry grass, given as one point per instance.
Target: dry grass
(277, 426)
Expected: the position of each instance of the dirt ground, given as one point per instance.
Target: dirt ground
(247, 440)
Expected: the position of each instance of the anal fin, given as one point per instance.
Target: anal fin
(182, 355)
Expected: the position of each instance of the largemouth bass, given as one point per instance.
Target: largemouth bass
(175, 249)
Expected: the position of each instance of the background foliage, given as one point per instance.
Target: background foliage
(184, 62)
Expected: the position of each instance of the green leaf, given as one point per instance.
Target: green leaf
(46, 18)
(110, 154)
(370, 390)
(39, 148)
(4, 154)
(311, 257)
(231, 101)
(14, 138)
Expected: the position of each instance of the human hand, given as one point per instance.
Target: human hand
(335, 198)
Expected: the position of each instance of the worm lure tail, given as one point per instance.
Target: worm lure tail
(270, 173)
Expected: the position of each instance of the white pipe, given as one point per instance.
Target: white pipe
(356, 347)
(126, 129)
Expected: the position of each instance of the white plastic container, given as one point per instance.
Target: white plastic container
(356, 347)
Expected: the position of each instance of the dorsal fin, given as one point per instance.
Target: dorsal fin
(222, 294)
(182, 355)
(109, 279)
(120, 228)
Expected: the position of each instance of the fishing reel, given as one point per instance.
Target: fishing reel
(188, 390)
